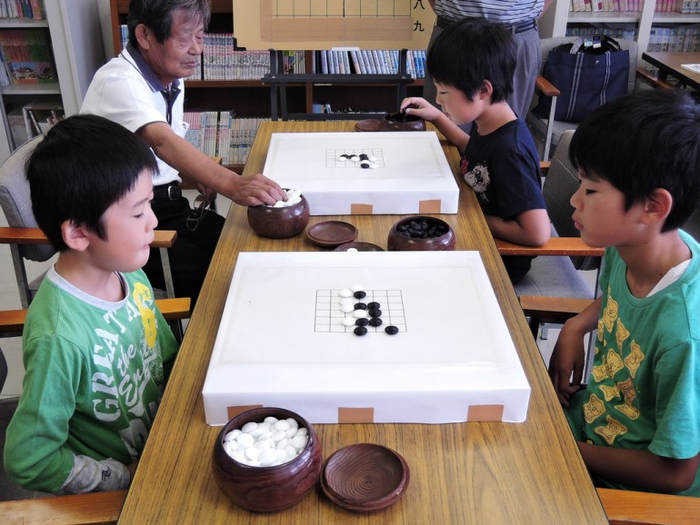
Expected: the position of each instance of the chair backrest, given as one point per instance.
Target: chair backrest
(560, 184)
(692, 226)
(547, 44)
(15, 200)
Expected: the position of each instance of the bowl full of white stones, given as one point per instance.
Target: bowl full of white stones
(267, 459)
(282, 220)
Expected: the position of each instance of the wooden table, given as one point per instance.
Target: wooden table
(460, 473)
(670, 64)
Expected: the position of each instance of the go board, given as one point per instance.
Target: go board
(281, 341)
(409, 172)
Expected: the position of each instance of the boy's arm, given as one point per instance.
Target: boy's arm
(640, 468)
(89, 475)
(566, 363)
(421, 108)
(531, 227)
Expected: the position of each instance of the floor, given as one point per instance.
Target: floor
(9, 299)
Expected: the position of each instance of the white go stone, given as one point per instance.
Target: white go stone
(245, 440)
(359, 314)
(249, 427)
(356, 288)
(373, 166)
(345, 293)
(352, 250)
(252, 453)
(299, 441)
(347, 321)
(268, 457)
(347, 308)
(282, 425)
(231, 436)
(270, 420)
(372, 158)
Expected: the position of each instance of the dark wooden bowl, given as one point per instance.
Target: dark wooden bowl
(401, 239)
(279, 223)
(331, 234)
(267, 489)
(365, 477)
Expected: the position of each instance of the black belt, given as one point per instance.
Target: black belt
(519, 27)
(168, 192)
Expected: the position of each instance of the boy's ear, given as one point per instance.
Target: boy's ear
(74, 236)
(657, 206)
(486, 90)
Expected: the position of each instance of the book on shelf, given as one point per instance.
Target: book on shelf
(22, 9)
(695, 68)
(18, 127)
(40, 116)
(222, 134)
(27, 57)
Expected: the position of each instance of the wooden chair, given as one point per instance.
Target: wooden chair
(627, 507)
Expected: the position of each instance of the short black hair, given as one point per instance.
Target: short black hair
(471, 51)
(157, 15)
(85, 164)
(643, 141)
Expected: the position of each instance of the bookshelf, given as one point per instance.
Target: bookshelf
(252, 98)
(73, 39)
(646, 21)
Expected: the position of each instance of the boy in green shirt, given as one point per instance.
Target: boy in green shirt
(96, 348)
(638, 421)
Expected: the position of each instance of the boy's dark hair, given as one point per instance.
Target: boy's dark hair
(84, 165)
(471, 51)
(157, 15)
(643, 141)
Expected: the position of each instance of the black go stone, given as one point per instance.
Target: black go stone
(391, 330)
(374, 305)
(375, 312)
(360, 295)
(360, 306)
(360, 330)
(375, 321)
(362, 321)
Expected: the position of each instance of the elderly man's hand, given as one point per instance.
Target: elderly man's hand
(255, 190)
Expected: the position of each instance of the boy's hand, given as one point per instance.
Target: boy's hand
(566, 363)
(421, 108)
(567, 359)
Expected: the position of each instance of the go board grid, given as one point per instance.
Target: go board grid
(334, 159)
(329, 315)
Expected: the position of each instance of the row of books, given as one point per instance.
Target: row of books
(680, 38)
(680, 6)
(222, 134)
(368, 62)
(26, 57)
(674, 39)
(22, 9)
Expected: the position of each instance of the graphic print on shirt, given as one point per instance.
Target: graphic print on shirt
(128, 360)
(478, 178)
(613, 393)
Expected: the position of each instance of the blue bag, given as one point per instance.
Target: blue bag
(588, 73)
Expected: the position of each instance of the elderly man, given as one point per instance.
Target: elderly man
(142, 89)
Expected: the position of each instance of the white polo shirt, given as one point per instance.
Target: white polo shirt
(125, 90)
